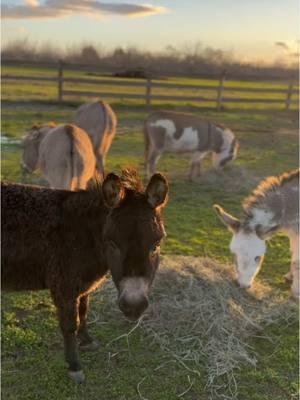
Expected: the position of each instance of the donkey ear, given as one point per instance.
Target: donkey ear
(157, 191)
(113, 190)
(51, 124)
(231, 222)
(264, 233)
(34, 134)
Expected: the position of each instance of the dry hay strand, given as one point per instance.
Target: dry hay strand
(203, 321)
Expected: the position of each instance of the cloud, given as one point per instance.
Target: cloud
(288, 45)
(65, 8)
(290, 48)
(283, 45)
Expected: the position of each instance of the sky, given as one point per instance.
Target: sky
(253, 30)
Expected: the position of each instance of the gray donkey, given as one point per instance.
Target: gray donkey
(64, 154)
(273, 206)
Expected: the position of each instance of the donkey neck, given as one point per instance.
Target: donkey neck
(275, 206)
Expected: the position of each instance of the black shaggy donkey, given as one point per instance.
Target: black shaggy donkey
(67, 241)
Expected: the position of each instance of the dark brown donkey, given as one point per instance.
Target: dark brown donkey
(67, 241)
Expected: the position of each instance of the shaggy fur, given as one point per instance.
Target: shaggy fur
(67, 241)
(273, 206)
(280, 196)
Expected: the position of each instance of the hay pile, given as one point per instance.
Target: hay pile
(203, 321)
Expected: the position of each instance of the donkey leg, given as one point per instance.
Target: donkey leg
(69, 323)
(288, 278)
(100, 167)
(87, 343)
(195, 165)
(295, 288)
(293, 275)
(193, 168)
(152, 161)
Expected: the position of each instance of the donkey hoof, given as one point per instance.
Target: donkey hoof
(288, 279)
(77, 376)
(295, 297)
(92, 346)
(191, 178)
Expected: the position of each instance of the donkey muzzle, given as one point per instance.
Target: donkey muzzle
(244, 285)
(133, 308)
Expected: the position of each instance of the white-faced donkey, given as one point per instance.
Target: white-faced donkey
(273, 206)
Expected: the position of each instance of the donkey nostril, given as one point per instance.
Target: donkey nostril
(143, 305)
(123, 305)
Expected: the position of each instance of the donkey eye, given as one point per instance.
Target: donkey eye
(155, 247)
(258, 258)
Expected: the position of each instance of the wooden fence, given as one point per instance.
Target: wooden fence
(147, 87)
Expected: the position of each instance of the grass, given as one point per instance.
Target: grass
(32, 360)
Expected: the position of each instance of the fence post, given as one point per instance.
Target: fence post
(60, 80)
(220, 91)
(148, 94)
(289, 96)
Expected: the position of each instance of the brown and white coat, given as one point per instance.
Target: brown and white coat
(167, 131)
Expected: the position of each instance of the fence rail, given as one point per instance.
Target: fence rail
(148, 86)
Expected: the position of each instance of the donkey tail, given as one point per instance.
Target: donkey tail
(72, 159)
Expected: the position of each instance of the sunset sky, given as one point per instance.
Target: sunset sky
(265, 30)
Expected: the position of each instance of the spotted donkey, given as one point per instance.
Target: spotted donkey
(167, 131)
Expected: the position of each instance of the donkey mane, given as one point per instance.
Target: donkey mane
(84, 202)
(268, 187)
(218, 125)
(131, 180)
(49, 124)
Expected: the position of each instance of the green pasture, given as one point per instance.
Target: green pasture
(32, 354)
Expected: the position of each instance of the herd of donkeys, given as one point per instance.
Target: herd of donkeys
(68, 237)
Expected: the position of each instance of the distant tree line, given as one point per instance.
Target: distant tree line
(190, 60)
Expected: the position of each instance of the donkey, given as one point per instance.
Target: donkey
(67, 241)
(64, 154)
(100, 122)
(31, 143)
(167, 131)
(273, 206)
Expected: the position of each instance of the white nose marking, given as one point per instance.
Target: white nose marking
(133, 288)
